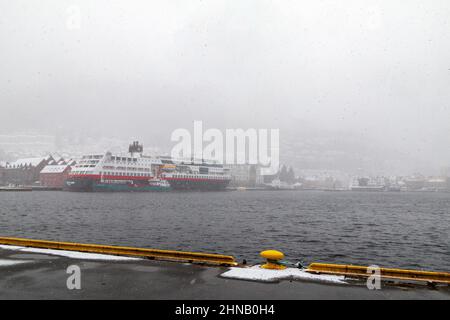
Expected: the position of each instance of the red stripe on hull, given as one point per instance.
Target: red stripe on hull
(197, 180)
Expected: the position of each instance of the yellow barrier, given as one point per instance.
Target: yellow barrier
(193, 257)
(385, 273)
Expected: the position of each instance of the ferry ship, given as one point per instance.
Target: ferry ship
(367, 184)
(107, 172)
(195, 175)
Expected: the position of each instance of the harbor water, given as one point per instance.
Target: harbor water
(404, 230)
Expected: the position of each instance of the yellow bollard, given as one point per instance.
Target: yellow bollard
(272, 257)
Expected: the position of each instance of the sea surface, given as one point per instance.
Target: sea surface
(405, 230)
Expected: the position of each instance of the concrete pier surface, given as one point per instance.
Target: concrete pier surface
(31, 275)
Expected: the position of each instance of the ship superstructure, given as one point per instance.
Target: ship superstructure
(108, 172)
(195, 175)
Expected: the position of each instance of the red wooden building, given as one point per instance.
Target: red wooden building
(54, 176)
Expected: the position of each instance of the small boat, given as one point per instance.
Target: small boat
(15, 189)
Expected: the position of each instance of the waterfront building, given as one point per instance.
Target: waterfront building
(414, 183)
(245, 175)
(25, 171)
(269, 178)
(2, 174)
(54, 175)
(435, 184)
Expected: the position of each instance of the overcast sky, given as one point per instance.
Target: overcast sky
(376, 69)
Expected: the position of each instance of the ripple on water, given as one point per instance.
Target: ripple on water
(409, 230)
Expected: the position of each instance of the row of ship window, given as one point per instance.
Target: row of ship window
(89, 161)
(133, 174)
(195, 176)
(128, 161)
(126, 168)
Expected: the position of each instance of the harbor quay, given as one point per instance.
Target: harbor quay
(40, 274)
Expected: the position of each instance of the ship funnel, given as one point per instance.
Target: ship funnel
(135, 148)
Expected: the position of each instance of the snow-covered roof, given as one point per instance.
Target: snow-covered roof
(54, 168)
(437, 180)
(27, 161)
(57, 159)
(71, 162)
